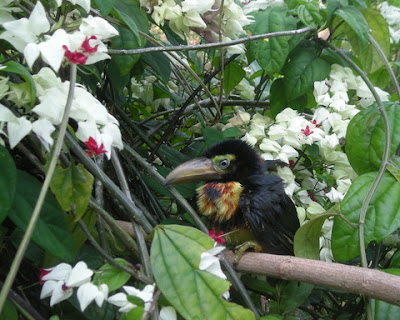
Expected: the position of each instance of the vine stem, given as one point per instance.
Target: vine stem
(385, 158)
(211, 45)
(42, 195)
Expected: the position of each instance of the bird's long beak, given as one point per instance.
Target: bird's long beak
(199, 169)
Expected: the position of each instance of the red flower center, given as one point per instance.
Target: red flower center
(93, 148)
(218, 238)
(307, 131)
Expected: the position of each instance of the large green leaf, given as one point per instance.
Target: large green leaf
(305, 67)
(383, 215)
(306, 239)
(159, 63)
(355, 20)
(368, 56)
(233, 74)
(72, 187)
(384, 310)
(15, 67)
(195, 294)
(271, 53)
(8, 182)
(51, 231)
(366, 135)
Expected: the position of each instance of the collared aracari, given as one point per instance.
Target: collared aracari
(239, 198)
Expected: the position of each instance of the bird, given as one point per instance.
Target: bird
(240, 199)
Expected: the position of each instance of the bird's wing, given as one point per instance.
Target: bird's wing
(270, 213)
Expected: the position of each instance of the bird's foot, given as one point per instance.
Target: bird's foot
(240, 249)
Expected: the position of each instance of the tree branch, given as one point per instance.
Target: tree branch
(372, 283)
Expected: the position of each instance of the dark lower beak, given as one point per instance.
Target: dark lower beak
(199, 169)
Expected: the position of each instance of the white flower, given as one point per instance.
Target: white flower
(168, 313)
(24, 31)
(249, 139)
(43, 128)
(197, 6)
(17, 130)
(89, 292)
(98, 27)
(193, 19)
(210, 262)
(314, 209)
(79, 275)
(334, 195)
(121, 299)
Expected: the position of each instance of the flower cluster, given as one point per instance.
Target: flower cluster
(201, 17)
(59, 282)
(392, 17)
(291, 135)
(34, 37)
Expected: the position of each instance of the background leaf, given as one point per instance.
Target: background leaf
(365, 136)
(51, 232)
(383, 215)
(303, 69)
(233, 74)
(306, 239)
(8, 182)
(72, 187)
(271, 53)
(195, 294)
(355, 20)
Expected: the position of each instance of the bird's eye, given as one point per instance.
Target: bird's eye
(224, 163)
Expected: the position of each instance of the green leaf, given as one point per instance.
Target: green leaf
(365, 137)
(72, 187)
(306, 239)
(212, 136)
(159, 63)
(233, 74)
(271, 54)
(15, 67)
(113, 277)
(126, 40)
(384, 310)
(294, 294)
(135, 300)
(135, 314)
(174, 157)
(51, 231)
(130, 12)
(232, 133)
(383, 215)
(355, 20)
(9, 311)
(303, 69)
(105, 6)
(195, 294)
(368, 56)
(394, 166)
(8, 182)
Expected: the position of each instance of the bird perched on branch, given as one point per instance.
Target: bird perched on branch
(249, 206)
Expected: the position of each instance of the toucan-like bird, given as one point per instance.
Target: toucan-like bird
(239, 198)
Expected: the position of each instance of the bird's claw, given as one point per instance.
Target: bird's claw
(240, 249)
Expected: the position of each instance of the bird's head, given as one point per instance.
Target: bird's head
(229, 160)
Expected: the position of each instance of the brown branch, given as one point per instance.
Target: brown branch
(372, 283)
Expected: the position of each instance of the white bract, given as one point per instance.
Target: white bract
(121, 299)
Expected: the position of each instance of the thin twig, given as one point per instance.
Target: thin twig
(145, 259)
(109, 184)
(212, 45)
(109, 258)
